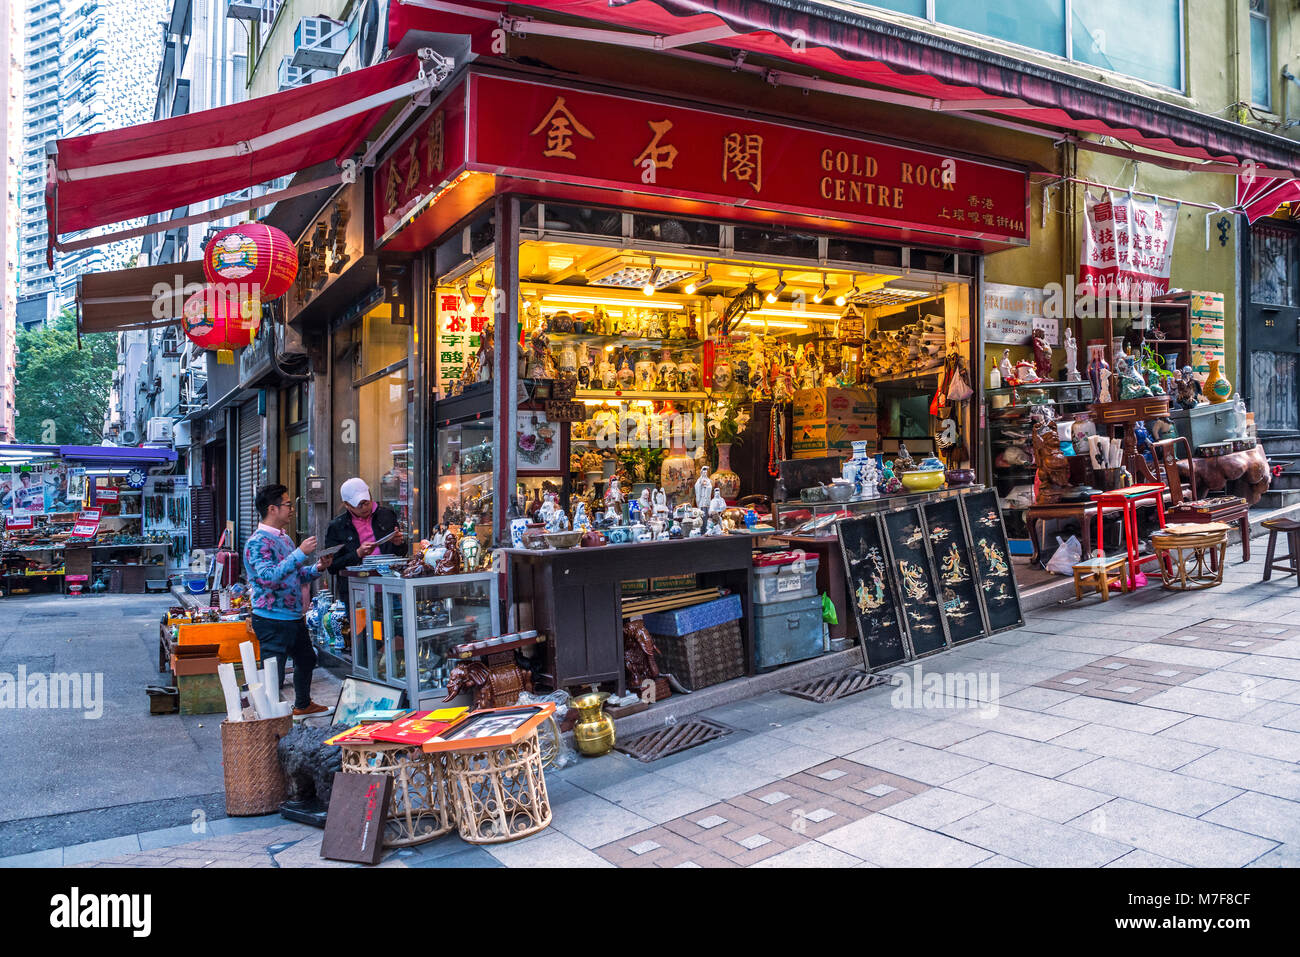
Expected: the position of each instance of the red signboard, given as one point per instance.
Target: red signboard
(562, 134)
(87, 523)
(423, 162)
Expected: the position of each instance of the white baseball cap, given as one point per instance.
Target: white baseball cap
(354, 491)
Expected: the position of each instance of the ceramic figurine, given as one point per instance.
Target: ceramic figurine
(869, 477)
(580, 520)
(661, 505)
(717, 505)
(1103, 374)
(714, 528)
(1042, 355)
(751, 518)
(1025, 371)
(1131, 385)
(1071, 357)
(606, 372)
(613, 496)
(645, 507)
(1004, 367)
(703, 488)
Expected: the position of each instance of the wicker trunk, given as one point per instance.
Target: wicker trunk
(701, 658)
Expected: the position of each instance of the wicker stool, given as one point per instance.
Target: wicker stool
(1291, 529)
(499, 794)
(1191, 556)
(421, 804)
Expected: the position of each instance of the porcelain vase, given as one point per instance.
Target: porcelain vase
(724, 479)
(1217, 388)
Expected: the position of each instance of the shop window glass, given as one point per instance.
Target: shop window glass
(915, 8)
(776, 242)
(1273, 266)
(1142, 40)
(1261, 55)
(1273, 375)
(847, 251)
(1037, 24)
(592, 222)
(681, 232)
(383, 341)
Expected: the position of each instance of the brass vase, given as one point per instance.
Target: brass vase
(594, 732)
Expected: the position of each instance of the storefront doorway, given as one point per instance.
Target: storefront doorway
(1270, 328)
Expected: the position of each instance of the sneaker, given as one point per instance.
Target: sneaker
(312, 708)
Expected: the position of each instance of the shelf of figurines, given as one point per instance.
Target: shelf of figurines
(631, 342)
(633, 395)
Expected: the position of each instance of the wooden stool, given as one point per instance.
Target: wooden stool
(420, 809)
(1100, 573)
(1292, 531)
(1191, 556)
(499, 793)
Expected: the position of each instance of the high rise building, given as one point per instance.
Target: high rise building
(10, 114)
(88, 68)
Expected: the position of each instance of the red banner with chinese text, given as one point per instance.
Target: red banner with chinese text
(1128, 246)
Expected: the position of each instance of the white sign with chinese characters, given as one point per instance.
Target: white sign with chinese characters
(1012, 313)
(459, 329)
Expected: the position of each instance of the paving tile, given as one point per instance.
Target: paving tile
(223, 826)
(838, 733)
(717, 776)
(783, 761)
(1260, 814)
(811, 854)
(1183, 655)
(1140, 858)
(473, 857)
(997, 860)
(1247, 771)
(940, 734)
(1118, 714)
(592, 821)
(1266, 742)
(48, 858)
(889, 842)
(1174, 836)
(1153, 750)
(934, 808)
(1285, 855)
(546, 849)
(592, 774)
(167, 837)
(1023, 791)
(1034, 840)
(1046, 760)
(1262, 665)
(655, 798)
(100, 850)
(1033, 725)
(1146, 785)
(915, 761)
(1211, 704)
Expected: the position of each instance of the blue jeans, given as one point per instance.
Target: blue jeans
(284, 640)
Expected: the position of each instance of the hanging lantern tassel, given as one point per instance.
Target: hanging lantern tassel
(225, 357)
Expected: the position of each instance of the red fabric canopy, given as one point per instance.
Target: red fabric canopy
(154, 167)
(1260, 196)
(834, 42)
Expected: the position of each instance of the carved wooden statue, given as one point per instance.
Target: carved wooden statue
(638, 653)
(1053, 467)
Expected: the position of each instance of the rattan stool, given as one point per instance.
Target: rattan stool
(1291, 529)
(1191, 556)
(420, 809)
(499, 794)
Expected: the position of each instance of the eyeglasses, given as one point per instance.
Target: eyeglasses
(288, 505)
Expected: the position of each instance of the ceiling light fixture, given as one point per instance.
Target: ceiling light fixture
(464, 292)
(698, 282)
(775, 294)
(823, 292)
(651, 284)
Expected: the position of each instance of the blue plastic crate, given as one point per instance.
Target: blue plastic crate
(683, 621)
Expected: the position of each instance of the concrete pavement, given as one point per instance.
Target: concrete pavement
(1158, 729)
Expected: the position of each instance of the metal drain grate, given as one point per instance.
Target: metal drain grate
(673, 739)
(836, 686)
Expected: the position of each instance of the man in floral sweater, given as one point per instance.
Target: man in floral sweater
(280, 577)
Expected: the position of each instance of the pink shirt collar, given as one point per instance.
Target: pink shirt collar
(271, 530)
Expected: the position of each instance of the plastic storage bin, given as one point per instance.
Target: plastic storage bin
(787, 631)
(782, 578)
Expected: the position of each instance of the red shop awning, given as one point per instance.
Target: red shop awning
(127, 173)
(1260, 196)
(921, 69)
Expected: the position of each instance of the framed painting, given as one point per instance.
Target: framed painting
(873, 598)
(541, 445)
(997, 579)
(927, 632)
(960, 598)
(491, 728)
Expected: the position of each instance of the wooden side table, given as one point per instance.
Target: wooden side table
(1191, 556)
(421, 807)
(1127, 500)
(1035, 515)
(1100, 574)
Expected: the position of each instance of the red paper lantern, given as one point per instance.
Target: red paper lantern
(259, 258)
(221, 318)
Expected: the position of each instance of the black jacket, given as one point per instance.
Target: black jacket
(341, 531)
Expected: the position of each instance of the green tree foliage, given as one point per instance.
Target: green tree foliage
(61, 384)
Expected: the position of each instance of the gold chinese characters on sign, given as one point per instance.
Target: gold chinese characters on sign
(560, 125)
(659, 157)
(401, 186)
(742, 159)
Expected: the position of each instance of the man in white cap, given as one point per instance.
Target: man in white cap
(361, 523)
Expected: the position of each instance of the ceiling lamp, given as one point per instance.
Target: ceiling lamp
(652, 281)
(775, 294)
(842, 298)
(464, 292)
(823, 292)
(698, 282)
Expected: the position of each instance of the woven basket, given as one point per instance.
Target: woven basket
(701, 658)
(254, 778)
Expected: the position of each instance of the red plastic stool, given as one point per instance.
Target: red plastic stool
(1127, 500)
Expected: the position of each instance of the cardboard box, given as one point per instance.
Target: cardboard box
(832, 404)
(832, 438)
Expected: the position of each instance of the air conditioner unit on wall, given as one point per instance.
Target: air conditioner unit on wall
(159, 429)
(181, 434)
(128, 437)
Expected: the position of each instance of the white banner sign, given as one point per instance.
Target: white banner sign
(1128, 245)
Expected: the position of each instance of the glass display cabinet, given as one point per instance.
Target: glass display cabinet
(465, 472)
(403, 629)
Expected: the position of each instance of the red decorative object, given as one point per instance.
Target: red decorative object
(260, 259)
(220, 318)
